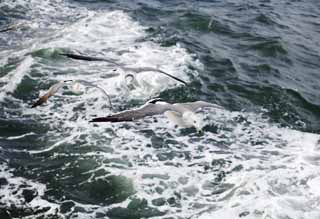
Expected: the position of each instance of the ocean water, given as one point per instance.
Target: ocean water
(257, 158)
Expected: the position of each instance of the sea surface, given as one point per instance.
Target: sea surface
(257, 158)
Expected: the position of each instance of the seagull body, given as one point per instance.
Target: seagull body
(52, 91)
(181, 114)
(56, 87)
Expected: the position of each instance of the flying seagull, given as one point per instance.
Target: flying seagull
(181, 114)
(121, 66)
(55, 88)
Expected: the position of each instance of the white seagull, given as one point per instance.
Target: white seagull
(55, 88)
(181, 114)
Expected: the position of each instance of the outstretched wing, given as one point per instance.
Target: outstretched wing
(144, 69)
(52, 91)
(91, 58)
(137, 70)
(146, 110)
(194, 106)
(89, 84)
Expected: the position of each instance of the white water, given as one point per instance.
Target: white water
(12, 192)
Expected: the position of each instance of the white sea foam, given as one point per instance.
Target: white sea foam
(14, 78)
(273, 181)
(251, 168)
(20, 136)
(12, 193)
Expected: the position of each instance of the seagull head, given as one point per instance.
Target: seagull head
(75, 88)
(131, 81)
(129, 78)
(192, 120)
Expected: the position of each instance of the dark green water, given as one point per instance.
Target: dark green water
(259, 158)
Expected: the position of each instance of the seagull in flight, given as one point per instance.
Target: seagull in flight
(181, 114)
(121, 66)
(55, 88)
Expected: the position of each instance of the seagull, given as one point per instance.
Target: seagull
(55, 88)
(181, 114)
(121, 66)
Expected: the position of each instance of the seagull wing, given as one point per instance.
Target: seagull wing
(90, 58)
(146, 110)
(52, 90)
(194, 106)
(89, 84)
(144, 69)
(137, 70)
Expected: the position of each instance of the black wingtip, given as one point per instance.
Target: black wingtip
(155, 100)
(110, 118)
(81, 57)
(174, 77)
(37, 103)
(180, 80)
(94, 120)
(183, 82)
(100, 119)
